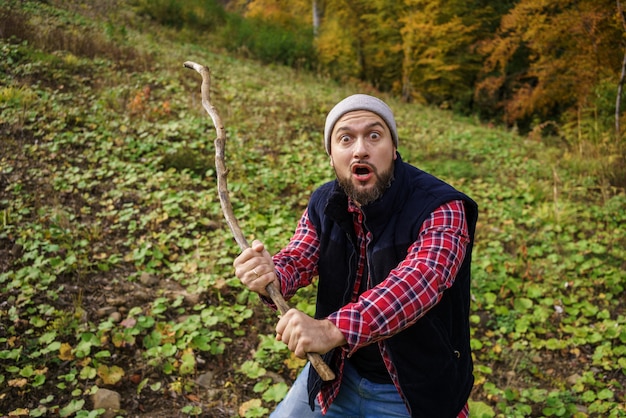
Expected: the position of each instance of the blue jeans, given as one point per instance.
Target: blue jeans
(358, 398)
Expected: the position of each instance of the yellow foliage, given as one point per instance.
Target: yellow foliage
(110, 375)
(286, 13)
(248, 405)
(431, 43)
(335, 49)
(65, 352)
(20, 382)
(360, 39)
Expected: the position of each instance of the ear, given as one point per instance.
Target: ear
(332, 163)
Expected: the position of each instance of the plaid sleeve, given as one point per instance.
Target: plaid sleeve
(296, 264)
(414, 286)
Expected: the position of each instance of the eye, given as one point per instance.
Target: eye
(375, 135)
(344, 138)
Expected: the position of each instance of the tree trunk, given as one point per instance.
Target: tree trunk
(618, 101)
(620, 84)
(317, 16)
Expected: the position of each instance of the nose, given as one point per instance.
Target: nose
(361, 149)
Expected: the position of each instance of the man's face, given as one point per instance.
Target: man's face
(362, 153)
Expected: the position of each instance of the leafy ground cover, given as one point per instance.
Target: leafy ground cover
(115, 264)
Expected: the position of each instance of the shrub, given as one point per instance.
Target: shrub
(196, 14)
(269, 42)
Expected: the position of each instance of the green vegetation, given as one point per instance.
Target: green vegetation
(205, 21)
(116, 265)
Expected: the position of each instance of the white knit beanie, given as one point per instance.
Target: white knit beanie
(359, 102)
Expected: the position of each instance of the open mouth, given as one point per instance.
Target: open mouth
(362, 172)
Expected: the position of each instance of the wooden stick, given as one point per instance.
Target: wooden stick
(222, 188)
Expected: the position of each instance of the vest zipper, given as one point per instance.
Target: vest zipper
(396, 383)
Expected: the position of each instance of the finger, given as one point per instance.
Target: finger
(299, 352)
(292, 344)
(258, 283)
(266, 254)
(257, 246)
(285, 321)
(246, 268)
(245, 256)
(259, 270)
(286, 337)
(297, 344)
(243, 264)
(269, 276)
(281, 324)
(252, 278)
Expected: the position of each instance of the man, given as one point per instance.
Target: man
(391, 246)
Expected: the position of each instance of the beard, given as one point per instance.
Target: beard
(367, 196)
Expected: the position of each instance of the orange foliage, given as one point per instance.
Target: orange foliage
(548, 56)
(139, 101)
(140, 105)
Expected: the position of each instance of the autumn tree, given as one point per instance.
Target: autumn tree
(422, 49)
(549, 58)
(290, 14)
(381, 43)
(361, 39)
(432, 44)
(441, 60)
(337, 42)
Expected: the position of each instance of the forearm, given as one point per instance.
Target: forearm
(296, 264)
(387, 309)
(414, 286)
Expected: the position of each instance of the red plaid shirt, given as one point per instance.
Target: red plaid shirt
(408, 292)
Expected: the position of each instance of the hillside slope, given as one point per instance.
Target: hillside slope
(116, 265)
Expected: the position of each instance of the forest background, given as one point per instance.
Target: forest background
(116, 265)
(552, 68)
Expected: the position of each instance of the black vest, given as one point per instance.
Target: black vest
(432, 357)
